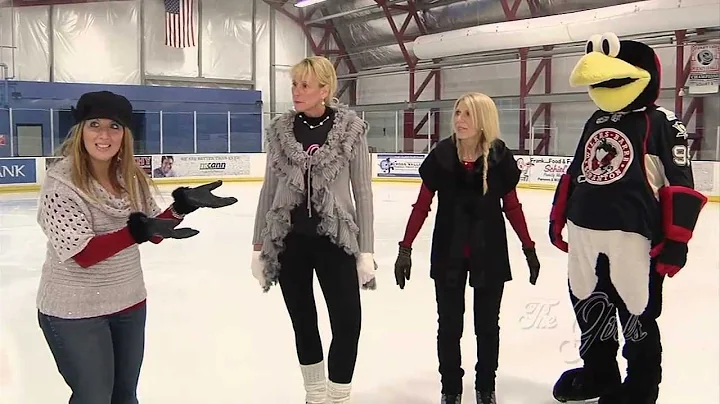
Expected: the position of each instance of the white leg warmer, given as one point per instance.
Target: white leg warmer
(338, 393)
(315, 383)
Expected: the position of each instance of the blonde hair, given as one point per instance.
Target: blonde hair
(485, 118)
(136, 183)
(322, 69)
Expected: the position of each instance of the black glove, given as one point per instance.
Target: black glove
(402, 266)
(143, 228)
(533, 263)
(188, 200)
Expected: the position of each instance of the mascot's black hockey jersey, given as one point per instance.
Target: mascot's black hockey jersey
(629, 205)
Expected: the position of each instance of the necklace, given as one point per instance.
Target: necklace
(314, 126)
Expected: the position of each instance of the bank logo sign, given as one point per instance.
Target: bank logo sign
(17, 171)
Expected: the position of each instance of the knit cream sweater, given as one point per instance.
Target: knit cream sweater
(70, 219)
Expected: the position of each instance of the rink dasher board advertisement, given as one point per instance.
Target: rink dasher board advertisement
(200, 165)
(542, 169)
(17, 171)
(144, 162)
(537, 172)
(399, 165)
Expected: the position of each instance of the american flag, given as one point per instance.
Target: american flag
(179, 24)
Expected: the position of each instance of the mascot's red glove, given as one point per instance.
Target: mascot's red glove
(557, 214)
(680, 208)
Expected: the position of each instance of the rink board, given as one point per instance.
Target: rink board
(538, 172)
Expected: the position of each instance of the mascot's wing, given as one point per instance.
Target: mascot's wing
(670, 173)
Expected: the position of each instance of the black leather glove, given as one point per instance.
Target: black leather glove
(143, 228)
(533, 263)
(402, 266)
(188, 200)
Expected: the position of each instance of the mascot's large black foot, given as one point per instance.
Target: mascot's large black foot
(580, 384)
(626, 395)
(629, 394)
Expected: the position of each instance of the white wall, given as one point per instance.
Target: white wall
(110, 31)
(102, 42)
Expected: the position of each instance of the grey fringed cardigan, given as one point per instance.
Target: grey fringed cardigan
(341, 163)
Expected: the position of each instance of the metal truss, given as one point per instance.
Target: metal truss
(323, 47)
(526, 86)
(411, 131)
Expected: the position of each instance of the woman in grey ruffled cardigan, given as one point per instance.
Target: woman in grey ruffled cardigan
(320, 147)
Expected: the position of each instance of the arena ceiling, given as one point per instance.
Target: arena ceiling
(368, 36)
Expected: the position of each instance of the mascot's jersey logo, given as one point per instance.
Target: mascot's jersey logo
(607, 157)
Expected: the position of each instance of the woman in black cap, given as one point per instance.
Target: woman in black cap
(95, 209)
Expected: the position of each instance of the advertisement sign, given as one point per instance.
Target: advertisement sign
(704, 75)
(523, 164)
(542, 169)
(144, 162)
(200, 165)
(704, 176)
(17, 171)
(399, 165)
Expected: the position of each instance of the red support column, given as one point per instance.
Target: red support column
(410, 130)
(696, 107)
(526, 86)
(323, 47)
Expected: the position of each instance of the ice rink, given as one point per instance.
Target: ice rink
(213, 337)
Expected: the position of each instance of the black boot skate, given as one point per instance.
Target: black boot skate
(580, 384)
(485, 397)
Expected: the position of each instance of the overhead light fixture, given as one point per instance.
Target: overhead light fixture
(305, 3)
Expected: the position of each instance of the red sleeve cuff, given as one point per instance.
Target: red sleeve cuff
(103, 247)
(167, 214)
(516, 217)
(420, 211)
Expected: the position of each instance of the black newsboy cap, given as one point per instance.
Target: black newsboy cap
(103, 104)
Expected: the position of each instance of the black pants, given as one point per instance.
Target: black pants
(597, 319)
(337, 275)
(99, 357)
(451, 310)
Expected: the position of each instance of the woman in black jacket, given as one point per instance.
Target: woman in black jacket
(471, 171)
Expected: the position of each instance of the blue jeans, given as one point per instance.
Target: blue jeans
(99, 357)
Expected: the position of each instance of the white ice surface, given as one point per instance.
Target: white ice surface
(213, 337)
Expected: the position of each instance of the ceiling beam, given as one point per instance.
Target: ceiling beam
(377, 13)
(511, 55)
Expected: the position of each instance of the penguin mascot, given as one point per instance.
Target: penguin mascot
(628, 203)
